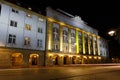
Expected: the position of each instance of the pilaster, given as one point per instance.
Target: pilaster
(61, 39)
(77, 42)
(49, 35)
(83, 42)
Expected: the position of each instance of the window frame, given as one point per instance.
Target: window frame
(12, 39)
(15, 11)
(26, 41)
(13, 23)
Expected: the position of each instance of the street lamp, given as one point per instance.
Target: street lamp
(115, 33)
(112, 32)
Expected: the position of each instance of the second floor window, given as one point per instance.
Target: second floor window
(12, 39)
(27, 27)
(72, 38)
(39, 43)
(27, 41)
(65, 36)
(55, 34)
(13, 23)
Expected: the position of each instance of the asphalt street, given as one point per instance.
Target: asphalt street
(91, 72)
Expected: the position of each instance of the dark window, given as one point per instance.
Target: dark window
(0, 8)
(13, 23)
(15, 11)
(12, 39)
(40, 30)
(39, 43)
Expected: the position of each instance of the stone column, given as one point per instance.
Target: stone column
(77, 42)
(61, 39)
(69, 40)
(49, 35)
(93, 41)
(83, 42)
(88, 44)
(98, 45)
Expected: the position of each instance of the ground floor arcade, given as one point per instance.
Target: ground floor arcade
(11, 57)
(63, 59)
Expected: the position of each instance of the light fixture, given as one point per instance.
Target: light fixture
(111, 33)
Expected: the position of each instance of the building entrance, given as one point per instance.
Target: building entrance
(65, 60)
(34, 59)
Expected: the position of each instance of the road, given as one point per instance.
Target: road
(86, 72)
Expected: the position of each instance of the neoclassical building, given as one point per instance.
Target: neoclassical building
(71, 41)
(22, 36)
(30, 39)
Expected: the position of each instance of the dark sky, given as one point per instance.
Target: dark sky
(100, 15)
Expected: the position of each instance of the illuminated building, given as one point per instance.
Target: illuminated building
(22, 36)
(71, 41)
(28, 38)
(104, 49)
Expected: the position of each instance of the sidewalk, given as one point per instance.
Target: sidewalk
(67, 65)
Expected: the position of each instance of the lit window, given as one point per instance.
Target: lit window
(55, 34)
(27, 41)
(72, 38)
(12, 39)
(65, 36)
(56, 48)
(13, 23)
(27, 27)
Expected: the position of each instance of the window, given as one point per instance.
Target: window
(55, 34)
(27, 27)
(14, 10)
(13, 23)
(72, 38)
(39, 43)
(0, 8)
(40, 30)
(27, 41)
(12, 39)
(56, 47)
(65, 36)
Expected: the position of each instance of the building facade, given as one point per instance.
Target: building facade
(71, 41)
(31, 39)
(22, 36)
(104, 50)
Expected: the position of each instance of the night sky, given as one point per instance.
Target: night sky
(100, 15)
